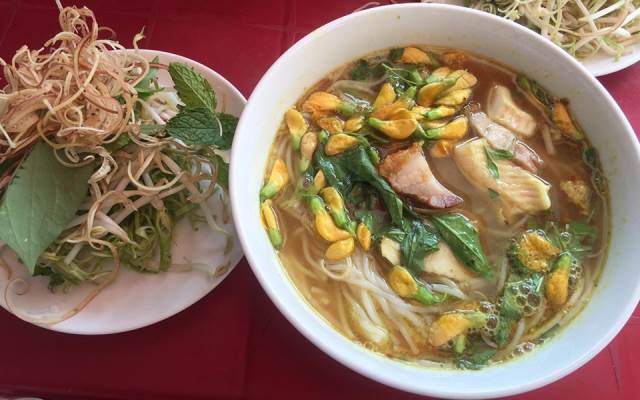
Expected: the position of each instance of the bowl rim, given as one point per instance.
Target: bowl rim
(315, 336)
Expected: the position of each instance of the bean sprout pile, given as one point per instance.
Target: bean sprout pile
(581, 27)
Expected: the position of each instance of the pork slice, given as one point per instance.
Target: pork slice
(408, 173)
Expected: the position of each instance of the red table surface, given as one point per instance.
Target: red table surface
(234, 343)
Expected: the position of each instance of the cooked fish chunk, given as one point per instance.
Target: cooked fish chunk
(441, 262)
(502, 138)
(502, 109)
(519, 192)
(444, 263)
(409, 174)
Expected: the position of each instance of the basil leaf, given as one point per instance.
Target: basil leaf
(359, 166)
(491, 163)
(335, 175)
(193, 89)
(42, 198)
(198, 126)
(419, 241)
(464, 240)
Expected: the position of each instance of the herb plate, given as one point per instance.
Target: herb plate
(134, 300)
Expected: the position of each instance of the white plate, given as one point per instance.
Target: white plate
(135, 300)
(599, 64)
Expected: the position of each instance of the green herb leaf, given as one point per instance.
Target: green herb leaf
(335, 175)
(493, 194)
(361, 71)
(491, 163)
(198, 126)
(500, 154)
(462, 236)
(149, 84)
(193, 89)
(229, 123)
(419, 241)
(359, 166)
(153, 129)
(395, 54)
(42, 198)
(476, 356)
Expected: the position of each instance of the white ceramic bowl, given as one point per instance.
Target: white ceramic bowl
(356, 35)
(134, 300)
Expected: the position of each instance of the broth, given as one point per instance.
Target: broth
(354, 294)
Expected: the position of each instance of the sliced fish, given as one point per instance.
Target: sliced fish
(502, 109)
(502, 138)
(519, 192)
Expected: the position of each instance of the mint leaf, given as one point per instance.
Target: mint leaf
(228, 123)
(152, 129)
(193, 89)
(42, 198)
(196, 126)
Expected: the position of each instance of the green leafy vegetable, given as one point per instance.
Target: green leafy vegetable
(577, 237)
(149, 84)
(229, 123)
(198, 126)
(395, 54)
(193, 89)
(491, 164)
(532, 87)
(521, 296)
(475, 355)
(493, 194)
(464, 240)
(359, 166)
(42, 198)
(492, 156)
(402, 79)
(420, 240)
(331, 167)
(361, 71)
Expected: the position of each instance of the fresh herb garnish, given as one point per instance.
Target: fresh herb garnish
(361, 71)
(196, 126)
(419, 240)
(464, 240)
(193, 89)
(149, 84)
(42, 198)
(492, 156)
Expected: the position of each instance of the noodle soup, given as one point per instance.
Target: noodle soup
(436, 207)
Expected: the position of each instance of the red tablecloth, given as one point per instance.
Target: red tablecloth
(234, 343)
